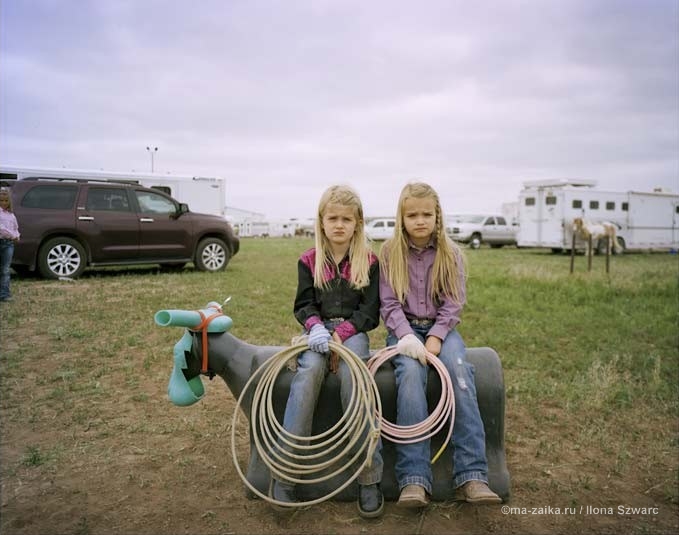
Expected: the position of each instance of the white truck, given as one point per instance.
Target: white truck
(477, 229)
(206, 195)
(645, 220)
(381, 228)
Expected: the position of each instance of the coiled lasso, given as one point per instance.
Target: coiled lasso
(322, 456)
(442, 413)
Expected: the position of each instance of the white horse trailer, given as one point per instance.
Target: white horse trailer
(206, 195)
(645, 220)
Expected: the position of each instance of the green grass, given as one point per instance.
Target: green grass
(588, 358)
(588, 337)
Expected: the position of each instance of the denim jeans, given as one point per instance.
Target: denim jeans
(6, 253)
(312, 368)
(413, 461)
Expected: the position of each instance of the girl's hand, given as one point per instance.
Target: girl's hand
(433, 345)
(411, 346)
(334, 357)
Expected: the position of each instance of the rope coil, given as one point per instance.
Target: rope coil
(430, 426)
(322, 456)
(323, 453)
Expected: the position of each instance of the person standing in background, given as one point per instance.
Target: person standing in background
(9, 235)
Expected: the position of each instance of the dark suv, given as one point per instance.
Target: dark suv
(69, 224)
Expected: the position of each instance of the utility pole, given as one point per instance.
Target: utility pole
(152, 151)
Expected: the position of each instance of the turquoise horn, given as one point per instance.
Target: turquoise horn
(180, 391)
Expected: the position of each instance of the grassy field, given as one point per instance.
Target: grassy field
(591, 369)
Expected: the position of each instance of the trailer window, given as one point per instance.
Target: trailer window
(530, 201)
(550, 200)
(625, 207)
(577, 203)
(610, 205)
(593, 205)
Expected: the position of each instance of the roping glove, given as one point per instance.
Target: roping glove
(411, 346)
(319, 338)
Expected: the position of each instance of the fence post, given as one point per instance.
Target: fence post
(573, 252)
(589, 254)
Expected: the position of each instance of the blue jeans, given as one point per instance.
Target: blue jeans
(306, 385)
(413, 461)
(6, 253)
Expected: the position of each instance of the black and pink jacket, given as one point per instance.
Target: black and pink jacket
(360, 309)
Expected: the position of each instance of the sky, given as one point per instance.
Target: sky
(286, 98)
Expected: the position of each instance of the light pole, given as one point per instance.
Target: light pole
(151, 152)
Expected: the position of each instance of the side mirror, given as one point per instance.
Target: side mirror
(183, 208)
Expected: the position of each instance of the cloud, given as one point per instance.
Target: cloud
(284, 99)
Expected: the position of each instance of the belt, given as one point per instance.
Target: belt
(421, 322)
(335, 320)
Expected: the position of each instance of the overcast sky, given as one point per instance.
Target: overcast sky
(285, 98)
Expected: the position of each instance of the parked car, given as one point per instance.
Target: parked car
(478, 229)
(67, 225)
(381, 228)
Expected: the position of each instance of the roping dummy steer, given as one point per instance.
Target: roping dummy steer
(207, 348)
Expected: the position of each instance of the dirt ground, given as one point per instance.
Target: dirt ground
(118, 458)
(117, 477)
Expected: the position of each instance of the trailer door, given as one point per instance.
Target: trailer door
(529, 232)
(552, 219)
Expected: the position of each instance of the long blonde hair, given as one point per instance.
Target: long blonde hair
(449, 260)
(359, 248)
(8, 193)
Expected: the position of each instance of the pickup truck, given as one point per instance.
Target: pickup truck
(381, 228)
(478, 229)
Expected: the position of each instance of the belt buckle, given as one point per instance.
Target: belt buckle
(421, 322)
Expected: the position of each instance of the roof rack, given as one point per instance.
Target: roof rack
(70, 179)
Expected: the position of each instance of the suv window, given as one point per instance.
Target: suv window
(111, 199)
(50, 197)
(154, 204)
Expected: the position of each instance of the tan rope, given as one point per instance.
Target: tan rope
(305, 467)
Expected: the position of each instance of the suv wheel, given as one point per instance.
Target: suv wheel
(475, 242)
(212, 255)
(61, 257)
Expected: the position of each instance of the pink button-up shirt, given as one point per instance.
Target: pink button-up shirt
(9, 228)
(418, 304)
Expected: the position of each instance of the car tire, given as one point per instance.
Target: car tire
(621, 247)
(212, 255)
(601, 247)
(61, 257)
(475, 242)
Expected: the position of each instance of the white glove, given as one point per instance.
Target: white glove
(319, 338)
(411, 346)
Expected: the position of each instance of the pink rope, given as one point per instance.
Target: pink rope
(443, 412)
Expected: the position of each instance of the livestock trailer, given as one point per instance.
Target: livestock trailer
(645, 220)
